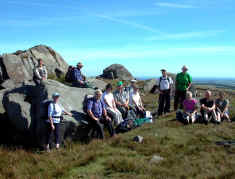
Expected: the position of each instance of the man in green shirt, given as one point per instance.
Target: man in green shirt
(183, 83)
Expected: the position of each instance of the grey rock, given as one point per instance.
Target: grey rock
(156, 159)
(8, 84)
(138, 139)
(148, 85)
(24, 109)
(97, 83)
(117, 71)
(20, 65)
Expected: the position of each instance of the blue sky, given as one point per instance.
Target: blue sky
(143, 35)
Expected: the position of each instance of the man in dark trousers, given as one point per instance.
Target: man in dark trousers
(165, 83)
(183, 83)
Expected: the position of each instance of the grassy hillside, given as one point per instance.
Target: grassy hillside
(188, 152)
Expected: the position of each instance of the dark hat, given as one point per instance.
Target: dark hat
(163, 69)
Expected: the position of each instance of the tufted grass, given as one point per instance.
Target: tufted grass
(188, 152)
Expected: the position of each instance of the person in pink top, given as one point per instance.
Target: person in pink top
(190, 108)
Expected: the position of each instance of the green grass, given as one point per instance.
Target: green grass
(188, 152)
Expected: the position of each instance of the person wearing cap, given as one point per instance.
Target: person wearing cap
(165, 85)
(182, 85)
(55, 112)
(40, 73)
(96, 110)
(130, 88)
(79, 78)
(121, 98)
(111, 106)
(136, 102)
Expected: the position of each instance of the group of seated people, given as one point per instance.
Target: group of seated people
(110, 106)
(210, 110)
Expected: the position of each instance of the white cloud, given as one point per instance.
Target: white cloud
(174, 5)
(129, 23)
(186, 35)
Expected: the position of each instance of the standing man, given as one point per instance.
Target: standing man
(165, 84)
(183, 83)
(79, 80)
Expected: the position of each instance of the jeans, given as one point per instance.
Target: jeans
(180, 96)
(164, 102)
(97, 126)
(50, 132)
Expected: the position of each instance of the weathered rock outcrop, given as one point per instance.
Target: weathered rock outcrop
(117, 71)
(24, 109)
(20, 65)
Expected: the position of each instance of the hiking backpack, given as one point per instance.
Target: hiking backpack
(69, 75)
(44, 109)
(85, 101)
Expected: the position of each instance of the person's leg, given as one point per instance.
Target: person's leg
(167, 102)
(109, 126)
(99, 129)
(161, 104)
(48, 136)
(57, 135)
(116, 115)
(123, 111)
(193, 118)
(182, 98)
(216, 116)
(176, 100)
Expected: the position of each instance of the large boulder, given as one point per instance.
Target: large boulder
(97, 83)
(24, 106)
(117, 71)
(148, 85)
(19, 66)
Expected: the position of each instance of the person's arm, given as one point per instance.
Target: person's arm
(37, 74)
(89, 112)
(50, 113)
(105, 112)
(46, 74)
(66, 112)
(190, 82)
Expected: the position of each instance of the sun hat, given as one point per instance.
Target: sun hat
(133, 81)
(55, 95)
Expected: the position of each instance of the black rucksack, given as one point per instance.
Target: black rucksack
(44, 109)
(85, 101)
(69, 74)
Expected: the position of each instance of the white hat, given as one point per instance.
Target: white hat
(133, 81)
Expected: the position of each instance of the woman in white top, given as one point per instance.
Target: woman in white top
(136, 102)
(111, 105)
(55, 112)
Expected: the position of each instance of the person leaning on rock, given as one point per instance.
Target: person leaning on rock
(97, 113)
(55, 111)
(183, 83)
(40, 73)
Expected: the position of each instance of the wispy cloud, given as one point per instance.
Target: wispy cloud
(130, 23)
(175, 5)
(186, 35)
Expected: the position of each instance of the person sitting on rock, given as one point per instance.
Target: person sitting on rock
(130, 88)
(40, 73)
(208, 107)
(111, 106)
(79, 80)
(136, 102)
(121, 98)
(96, 110)
(55, 111)
(190, 109)
(222, 105)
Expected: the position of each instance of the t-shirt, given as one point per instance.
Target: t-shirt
(41, 72)
(208, 103)
(164, 83)
(135, 99)
(222, 104)
(55, 111)
(190, 105)
(108, 98)
(122, 97)
(96, 107)
(182, 81)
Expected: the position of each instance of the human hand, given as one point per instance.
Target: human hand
(52, 127)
